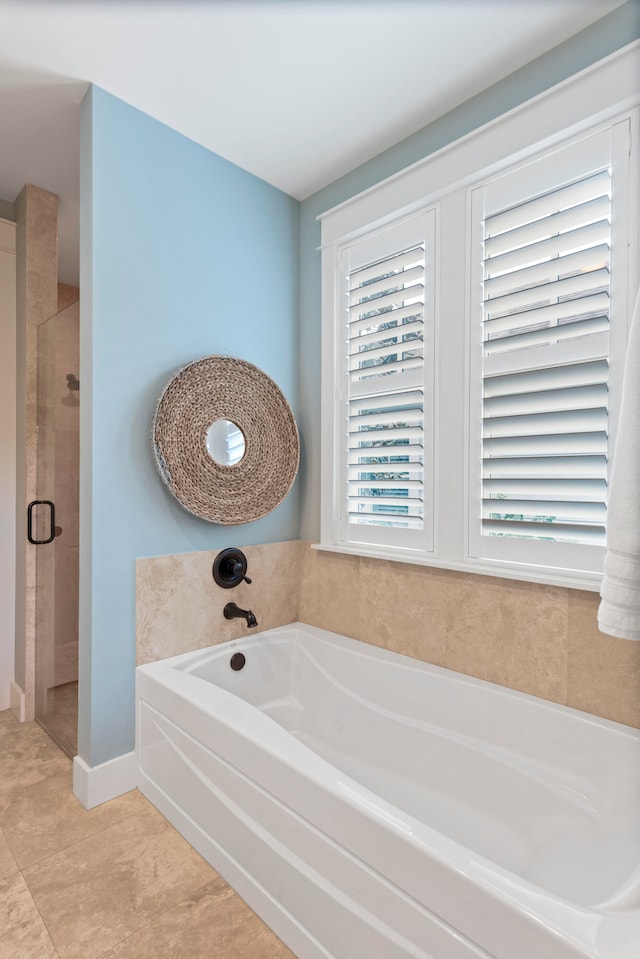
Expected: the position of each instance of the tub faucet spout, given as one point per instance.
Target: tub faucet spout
(232, 611)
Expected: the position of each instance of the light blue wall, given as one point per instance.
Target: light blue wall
(609, 34)
(175, 245)
(182, 255)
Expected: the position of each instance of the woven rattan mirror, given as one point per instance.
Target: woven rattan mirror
(251, 413)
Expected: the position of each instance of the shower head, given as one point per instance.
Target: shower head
(72, 382)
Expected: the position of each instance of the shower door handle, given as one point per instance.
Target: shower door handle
(52, 520)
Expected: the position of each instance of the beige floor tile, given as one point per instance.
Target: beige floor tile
(7, 721)
(27, 756)
(214, 923)
(101, 890)
(22, 932)
(8, 864)
(47, 817)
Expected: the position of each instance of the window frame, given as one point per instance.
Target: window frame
(594, 99)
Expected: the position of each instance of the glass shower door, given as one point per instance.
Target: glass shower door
(54, 528)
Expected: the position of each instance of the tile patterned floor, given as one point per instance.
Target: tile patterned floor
(114, 882)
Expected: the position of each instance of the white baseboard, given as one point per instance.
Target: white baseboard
(18, 702)
(93, 785)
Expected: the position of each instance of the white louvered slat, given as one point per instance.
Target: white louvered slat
(554, 269)
(390, 264)
(548, 335)
(555, 421)
(364, 454)
(556, 532)
(384, 319)
(549, 315)
(356, 486)
(385, 341)
(571, 375)
(545, 427)
(546, 467)
(544, 206)
(547, 292)
(555, 444)
(591, 235)
(571, 218)
(550, 511)
(389, 518)
(387, 416)
(358, 440)
(365, 296)
(387, 368)
(390, 352)
(364, 341)
(541, 490)
(413, 503)
(547, 400)
(395, 299)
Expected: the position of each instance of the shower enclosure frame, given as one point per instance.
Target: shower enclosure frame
(53, 527)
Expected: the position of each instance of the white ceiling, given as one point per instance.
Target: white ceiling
(297, 92)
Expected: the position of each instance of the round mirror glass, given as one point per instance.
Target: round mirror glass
(225, 442)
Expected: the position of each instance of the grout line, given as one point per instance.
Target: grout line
(3, 835)
(33, 899)
(134, 932)
(181, 897)
(92, 835)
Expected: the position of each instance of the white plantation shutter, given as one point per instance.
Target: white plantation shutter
(475, 313)
(387, 420)
(548, 421)
(546, 269)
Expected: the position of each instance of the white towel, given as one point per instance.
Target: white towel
(619, 613)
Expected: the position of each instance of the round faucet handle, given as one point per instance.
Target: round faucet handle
(239, 570)
(230, 568)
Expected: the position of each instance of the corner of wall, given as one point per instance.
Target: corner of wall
(18, 702)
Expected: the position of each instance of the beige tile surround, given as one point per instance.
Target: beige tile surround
(179, 606)
(537, 639)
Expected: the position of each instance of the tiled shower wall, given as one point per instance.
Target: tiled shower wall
(36, 300)
(537, 639)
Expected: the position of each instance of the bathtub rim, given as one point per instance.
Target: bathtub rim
(195, 658)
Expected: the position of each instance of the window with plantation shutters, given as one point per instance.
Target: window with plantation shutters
(546, 269)
(386, 488)
(476, 309)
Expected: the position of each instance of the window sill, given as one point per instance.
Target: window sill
(578, 579)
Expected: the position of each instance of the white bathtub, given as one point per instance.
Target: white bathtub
(369, 806)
